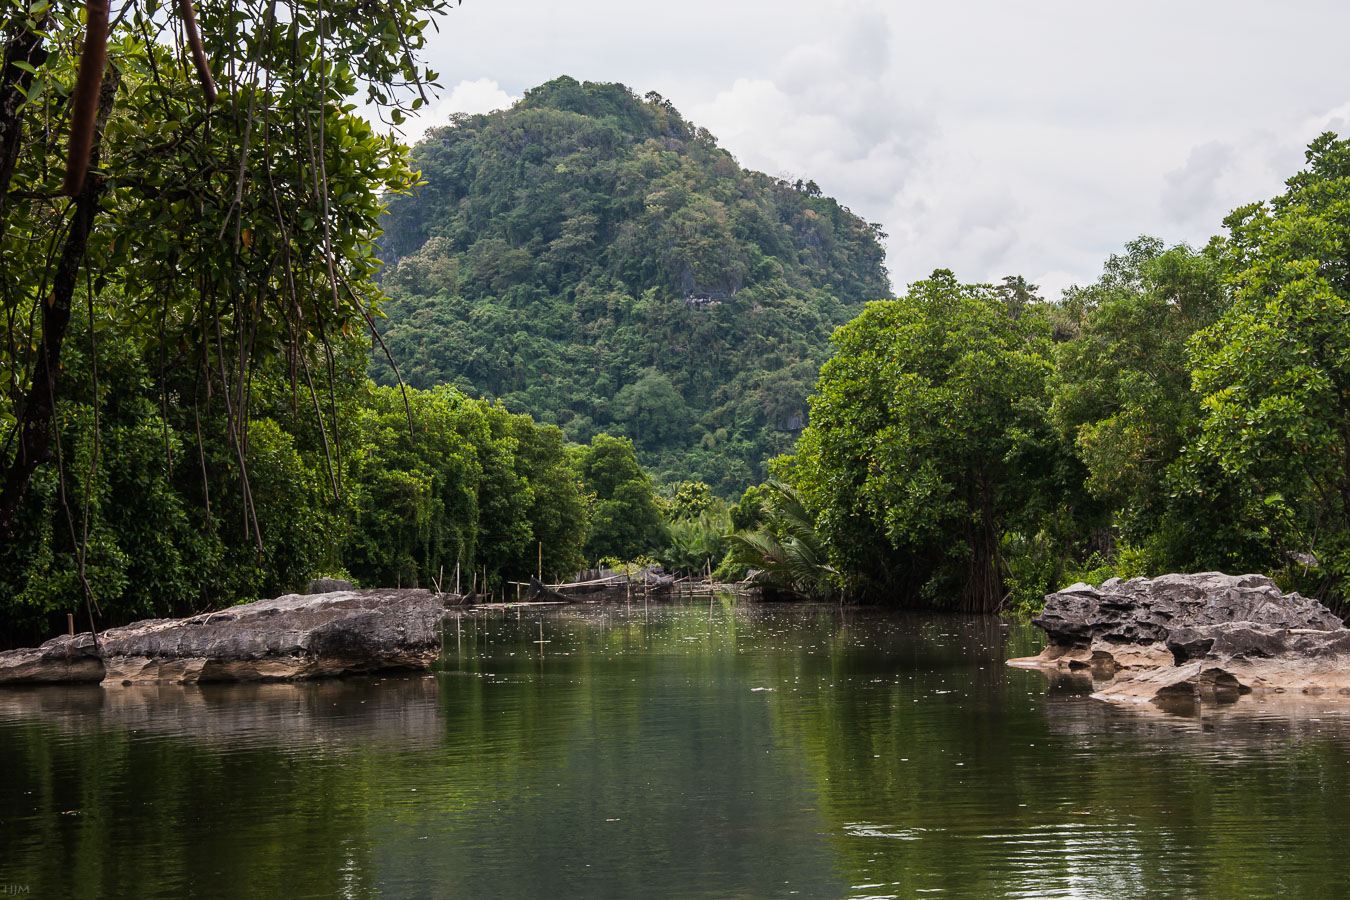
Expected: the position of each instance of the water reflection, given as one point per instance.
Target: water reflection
(353, 710)
(693, 751)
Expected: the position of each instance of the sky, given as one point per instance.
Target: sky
(987, 137)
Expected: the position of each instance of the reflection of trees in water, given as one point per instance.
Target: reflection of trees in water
(1013, 790)
(184, 791)
(640, 725)
(741, 747)
(493, 778)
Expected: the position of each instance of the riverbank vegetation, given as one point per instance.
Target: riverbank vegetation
(191, 415)
(973, 446)
(187, 207)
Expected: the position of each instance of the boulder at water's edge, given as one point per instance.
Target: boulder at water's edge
(292, 637)
(1204, 636)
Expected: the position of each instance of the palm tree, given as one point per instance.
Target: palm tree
(785, 553)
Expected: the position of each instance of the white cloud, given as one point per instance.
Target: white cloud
(1190, 192)
(482, 95)
(1337, 120)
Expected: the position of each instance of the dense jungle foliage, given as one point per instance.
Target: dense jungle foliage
(187, 213)
(169, 533)
(594, 260)
(975, 447)
(186, 418)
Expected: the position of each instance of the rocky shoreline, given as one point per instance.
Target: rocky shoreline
(293, 637)
(1207, 637)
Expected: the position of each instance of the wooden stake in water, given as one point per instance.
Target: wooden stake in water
(541, 642)
(541, 563)
(70, 622)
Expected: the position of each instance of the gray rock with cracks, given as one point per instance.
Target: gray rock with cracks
(1207, 636)
(287, 638)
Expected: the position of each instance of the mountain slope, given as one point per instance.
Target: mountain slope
(593, 259)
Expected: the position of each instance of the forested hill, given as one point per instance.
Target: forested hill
(592, 258)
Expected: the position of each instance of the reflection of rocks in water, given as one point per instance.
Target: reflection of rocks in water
(281, 713)
(1060, 683)
(1250, 722)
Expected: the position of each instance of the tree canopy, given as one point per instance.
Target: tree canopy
(625, 520)
(1189, 410)
(188, 209)
(1273, 373)
(927, 437)
(594, 259)
(230, 213)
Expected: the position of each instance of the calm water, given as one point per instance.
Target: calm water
(673, 752)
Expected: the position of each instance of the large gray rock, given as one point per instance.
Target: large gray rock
(328, 585)
(291, 637)
(1206, 636)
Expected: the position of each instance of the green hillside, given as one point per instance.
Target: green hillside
(595, 260)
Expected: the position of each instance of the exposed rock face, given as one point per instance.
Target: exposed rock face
(328, 585)
(1205, 636)
(292, 637)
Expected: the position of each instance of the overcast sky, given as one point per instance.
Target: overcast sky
(987, 137)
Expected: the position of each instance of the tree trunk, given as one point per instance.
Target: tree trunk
(21, 46)
(983, 589)
(36, 419)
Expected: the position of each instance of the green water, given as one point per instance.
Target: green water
(672, 752)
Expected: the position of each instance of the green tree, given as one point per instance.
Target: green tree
(928, 439)
(696, 544)
(1273, 374)
(416, 496)
(1122, 388)
(689, 500)
(748, 511)
(625, 520)
(153, 496)
(595, 260)
(229, 215)
(558, 515)
(650, 409)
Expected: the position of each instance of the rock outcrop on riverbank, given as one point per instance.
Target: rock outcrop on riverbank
(289, 638)
(1193, 637)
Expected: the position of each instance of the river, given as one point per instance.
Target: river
(693, 751)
